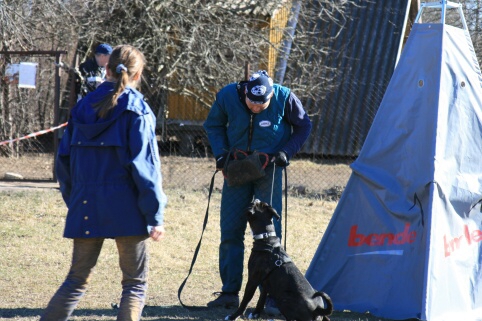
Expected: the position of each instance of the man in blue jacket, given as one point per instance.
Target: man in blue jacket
(253, 115)
(93, 70)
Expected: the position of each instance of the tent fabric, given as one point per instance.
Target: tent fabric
(405, 238)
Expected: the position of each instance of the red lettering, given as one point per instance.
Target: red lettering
(355, 239)
(447, 247)
(371, 240)
(467, 234)
(404, 237)
(455, 243)
(390, 237)
(374, 239)
(477, 235)
(383, 237)
(451, 246)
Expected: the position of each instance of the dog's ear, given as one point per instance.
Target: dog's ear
(250, 210)
(274, 213)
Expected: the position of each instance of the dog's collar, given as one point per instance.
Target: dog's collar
(263, 235)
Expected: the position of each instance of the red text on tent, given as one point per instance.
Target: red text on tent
(374, 239)
(454, 244)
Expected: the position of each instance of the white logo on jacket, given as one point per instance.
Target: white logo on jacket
(264, 123)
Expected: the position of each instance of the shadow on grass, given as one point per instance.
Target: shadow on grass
(178, 313)
(19, 312)
(153, 313)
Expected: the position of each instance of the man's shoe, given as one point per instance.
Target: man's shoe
(224, 299)
(271, 308)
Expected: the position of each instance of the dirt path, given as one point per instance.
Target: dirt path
(22, 185)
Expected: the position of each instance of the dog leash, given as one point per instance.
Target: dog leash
(286, 199)
(272, 185)
(286, 204)
(211, 187)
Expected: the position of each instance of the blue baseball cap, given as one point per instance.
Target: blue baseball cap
(259, 87)
(104, 49)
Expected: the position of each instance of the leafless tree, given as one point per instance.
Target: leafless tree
(30, 26)
(193, 47)
(196, 47)
(473, 15)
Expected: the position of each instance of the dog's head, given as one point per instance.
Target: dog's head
(260, 217)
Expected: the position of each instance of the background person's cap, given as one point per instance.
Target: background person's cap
(259, 87)
(104, 49)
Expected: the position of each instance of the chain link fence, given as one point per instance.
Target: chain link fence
(26, 114)
(27, 153)
(187, 161)
(28, 138)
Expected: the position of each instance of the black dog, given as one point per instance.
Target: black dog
(271, 268)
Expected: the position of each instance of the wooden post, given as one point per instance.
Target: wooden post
(246, 71)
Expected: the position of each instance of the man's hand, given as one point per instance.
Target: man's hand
(221, 160)
(157, 232)
(281, 159)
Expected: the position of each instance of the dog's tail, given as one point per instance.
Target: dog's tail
(328, 305)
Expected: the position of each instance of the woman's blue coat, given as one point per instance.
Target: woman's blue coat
(109, 168)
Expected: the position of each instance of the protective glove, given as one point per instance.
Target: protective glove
(221, 160)
(281, 159)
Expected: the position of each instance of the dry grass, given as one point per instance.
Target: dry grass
(35, 258)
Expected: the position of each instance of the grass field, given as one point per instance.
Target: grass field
(35, 258)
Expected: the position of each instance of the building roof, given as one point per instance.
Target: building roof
(252, 7)
(369, 42)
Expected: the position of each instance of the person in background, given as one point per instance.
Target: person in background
(93, 70)
(109, 172)
(253, 115)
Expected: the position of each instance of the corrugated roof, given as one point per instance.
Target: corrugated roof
(252, 7)
(369, 43)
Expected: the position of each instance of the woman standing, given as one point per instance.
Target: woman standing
(108, 168)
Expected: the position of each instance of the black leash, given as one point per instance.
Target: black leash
(211, 187)
(286, 199)
(286, 204)
(197, 251)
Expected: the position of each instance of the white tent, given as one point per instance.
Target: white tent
(405, 238)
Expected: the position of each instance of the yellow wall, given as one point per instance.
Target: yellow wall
(277, 24)
(187, 108)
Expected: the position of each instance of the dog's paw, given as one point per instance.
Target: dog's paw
(229, 317)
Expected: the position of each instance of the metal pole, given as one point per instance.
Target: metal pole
(56, 110)
(444, 8)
